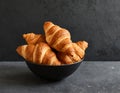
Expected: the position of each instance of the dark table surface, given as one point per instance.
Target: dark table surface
(90, 77)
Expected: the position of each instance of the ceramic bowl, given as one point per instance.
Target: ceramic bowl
(53, 72)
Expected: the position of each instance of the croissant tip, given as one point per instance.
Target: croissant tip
(85, 42)
(18, 50)
(24, 35)
(27, 34)
(47, 23)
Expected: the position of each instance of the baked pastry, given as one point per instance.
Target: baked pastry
(57, 37)
(40, 53)
(79, 48)
(53, 48)
(60, 39)
(32, 38)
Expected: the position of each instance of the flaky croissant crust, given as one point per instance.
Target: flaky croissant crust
(40, 53)
(53, 48)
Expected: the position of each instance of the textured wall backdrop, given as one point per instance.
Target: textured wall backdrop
(96, 21)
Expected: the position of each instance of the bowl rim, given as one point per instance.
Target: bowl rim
(54, 65)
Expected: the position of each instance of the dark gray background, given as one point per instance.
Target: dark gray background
(96, 21)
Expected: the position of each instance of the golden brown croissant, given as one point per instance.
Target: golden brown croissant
(40, 53)
(57, 37)
(79, 47)
(32, 38)
(60, 39)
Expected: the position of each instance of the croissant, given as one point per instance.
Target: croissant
(40, 53)
(58, 38)
(32, 38)
(79, 47)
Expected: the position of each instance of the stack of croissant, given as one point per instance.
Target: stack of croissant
(53, 48)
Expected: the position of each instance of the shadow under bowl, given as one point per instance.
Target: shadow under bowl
(53, 73)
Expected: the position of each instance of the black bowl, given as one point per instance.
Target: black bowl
(53, 72)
